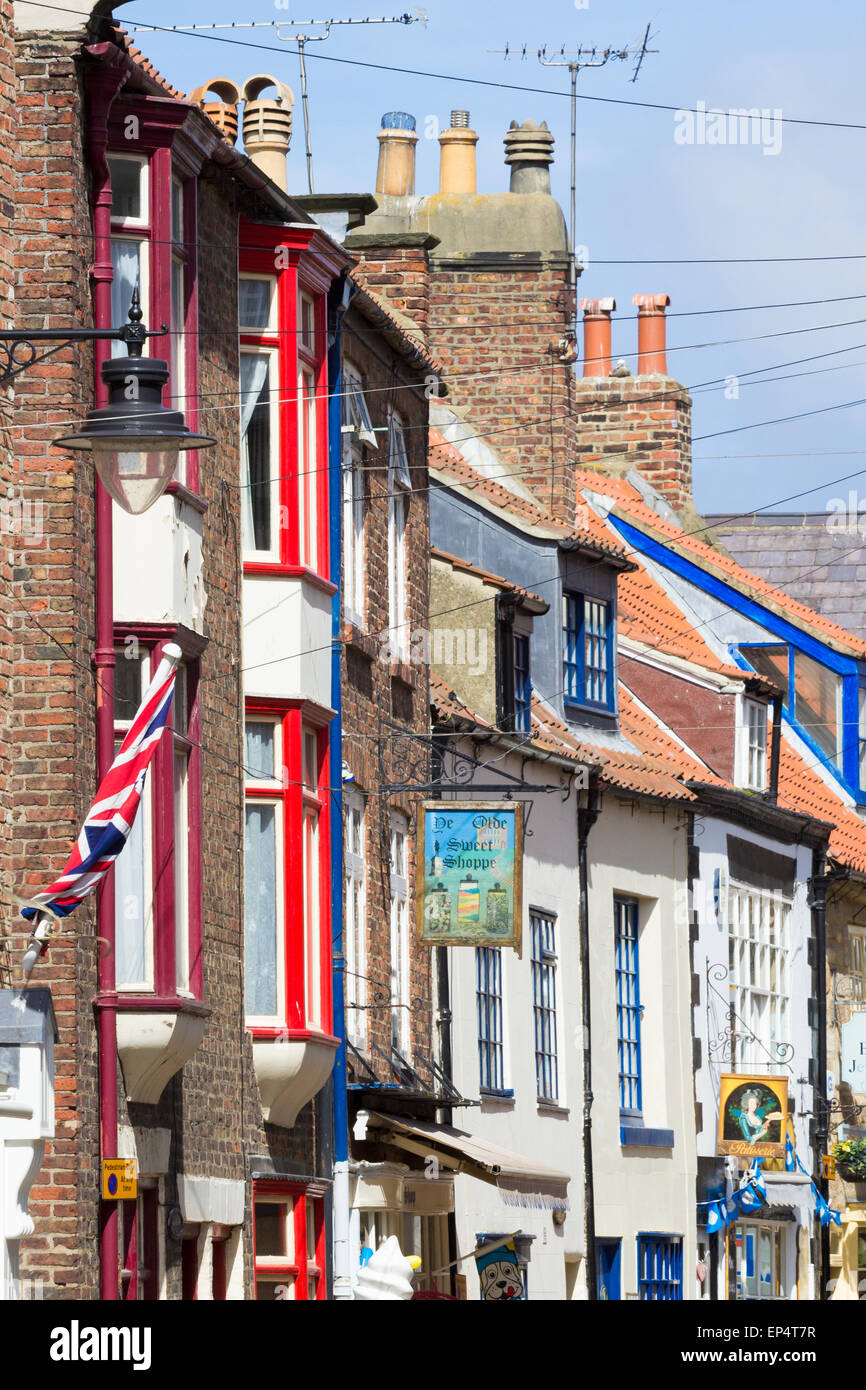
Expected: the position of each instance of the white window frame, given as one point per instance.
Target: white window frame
(270, 327)
(399, 487)
(253, 782)
(308, 484)
(354, 566)
(311, 831)
(778, 1259)
(753, 744)
(759, 944)
(399, 884)
(857, 962)
(272, 554)
(144, 820)
(355, 915)
(143, 161)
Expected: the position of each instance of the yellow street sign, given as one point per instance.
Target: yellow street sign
(119, 1179)
(828, 1166)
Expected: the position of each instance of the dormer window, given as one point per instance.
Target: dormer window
(754, 745)
(588, 651)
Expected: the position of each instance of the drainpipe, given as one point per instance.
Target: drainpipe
(822, 1128)
(103, 84)
(586, 818)
(443, 1009)
(339, 1120)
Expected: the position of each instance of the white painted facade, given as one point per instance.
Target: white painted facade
(286, 639)
(638, 851)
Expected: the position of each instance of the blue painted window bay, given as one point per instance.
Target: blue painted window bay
(488, 993)
(588, 651)
(659, 1268)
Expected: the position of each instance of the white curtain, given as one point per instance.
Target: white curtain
(254, 375)
(260, 910)
(126, 262)
(258, 750)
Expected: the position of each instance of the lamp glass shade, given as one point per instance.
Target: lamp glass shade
(135, 477)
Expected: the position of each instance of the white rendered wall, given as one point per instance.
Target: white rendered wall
(286, 639)
(158, 565)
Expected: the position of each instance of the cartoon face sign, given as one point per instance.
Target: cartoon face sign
(500, 1281)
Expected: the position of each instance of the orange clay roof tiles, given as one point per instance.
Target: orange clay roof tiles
(631, 506)
(802, 789)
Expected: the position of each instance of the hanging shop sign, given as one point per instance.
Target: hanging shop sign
(753, 1116)
(499, 1273)
(854, 1053)
(469, 875)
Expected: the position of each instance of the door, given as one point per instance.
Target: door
(608, 1252)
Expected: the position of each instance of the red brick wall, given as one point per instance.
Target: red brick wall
(371, 686)
(492, 326)
(7, 212)
(704, 719)
(641, 423)
(51, 627)
(400, 273)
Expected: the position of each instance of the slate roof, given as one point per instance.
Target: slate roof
(822, 566)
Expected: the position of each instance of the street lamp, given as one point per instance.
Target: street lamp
(134, 439)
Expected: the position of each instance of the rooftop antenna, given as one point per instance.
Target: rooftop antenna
(302, 39)
(574, 59)
(417, 16)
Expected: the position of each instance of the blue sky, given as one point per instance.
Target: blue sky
(641, 194)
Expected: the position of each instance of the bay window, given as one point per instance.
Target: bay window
(286, 872)
(283, 414)
(158, 873)
(588, 651)
(289, 1242)
(153, 249)
(759, 952)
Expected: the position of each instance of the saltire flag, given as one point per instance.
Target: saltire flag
(715, 1220)
(790, 1161)
(108, 822)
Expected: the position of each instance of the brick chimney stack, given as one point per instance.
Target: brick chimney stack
(639, 422)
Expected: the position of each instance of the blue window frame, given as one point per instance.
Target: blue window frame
(588, 651)
(628, 1005)
(522, 684)
(488, 994)
(659, 1268)
(544, 1004)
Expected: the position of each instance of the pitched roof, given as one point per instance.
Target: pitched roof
(535, 600)
(646, 614)
(589, 530)
(817, 557)
(628, 503)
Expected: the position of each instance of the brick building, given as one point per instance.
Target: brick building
(115, 181)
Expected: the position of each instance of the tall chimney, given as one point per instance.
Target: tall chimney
(395, 176)
(457, 157)
(651, 358)
(268, 126)
(529, 151)
(596, 335)
(224, 112)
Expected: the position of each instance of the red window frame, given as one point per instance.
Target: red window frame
(295, 718)
(282, 254)
(155, 124)
(152, 639)
(303, 1197)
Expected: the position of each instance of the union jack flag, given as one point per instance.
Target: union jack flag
(109, 820)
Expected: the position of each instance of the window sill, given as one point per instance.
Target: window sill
(156, 1037)
(181, 493)
(600, 711)
(552, 1107)
(633, 1136)
(275, 570)
(292, 1066)
(364, 643)
(501, 1099)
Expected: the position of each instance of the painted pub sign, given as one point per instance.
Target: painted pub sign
(753, 1116)
(469, 876)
